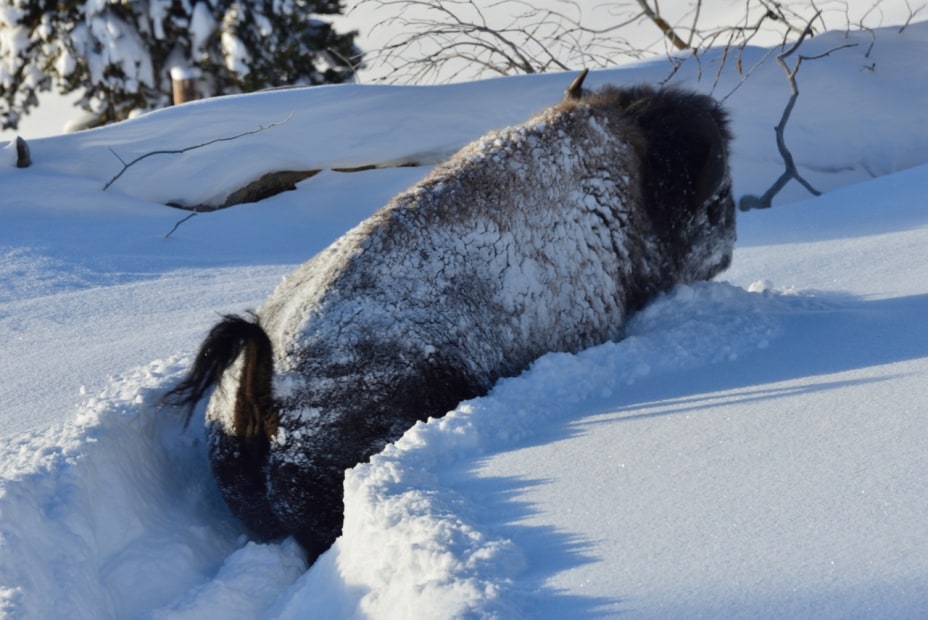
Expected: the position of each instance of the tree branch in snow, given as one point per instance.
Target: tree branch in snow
(764, 201)
(912, 14)
(127, 165)
(177, 225)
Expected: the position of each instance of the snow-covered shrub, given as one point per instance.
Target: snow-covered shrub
(119, 53)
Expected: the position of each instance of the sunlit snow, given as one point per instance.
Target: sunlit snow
(753, 448)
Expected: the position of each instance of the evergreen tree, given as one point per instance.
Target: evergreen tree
(119, 53)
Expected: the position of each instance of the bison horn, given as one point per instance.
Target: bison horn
(575, 90)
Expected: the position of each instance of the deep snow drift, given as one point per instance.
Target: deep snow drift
(754, 448)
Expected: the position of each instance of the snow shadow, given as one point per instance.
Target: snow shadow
(652, 401)
(119, 503)
(894, 197)
(834, 335)
(150, 541)
(698, 348)
(547, 550)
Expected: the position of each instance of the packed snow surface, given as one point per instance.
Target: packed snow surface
(753, 448)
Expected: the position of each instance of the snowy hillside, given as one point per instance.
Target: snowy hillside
(753, 448)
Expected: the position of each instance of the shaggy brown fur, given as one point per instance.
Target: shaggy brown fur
(537, 238)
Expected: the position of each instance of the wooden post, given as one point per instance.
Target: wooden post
(185, 83)
(23, 157)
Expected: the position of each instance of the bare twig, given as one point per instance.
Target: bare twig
(356, 62)
(450, 39)
(441, 40)
(791, 172)
(127, 165)
(663, 26)
(177, 225)
(444, 40)
(912, 14)
(872, 34)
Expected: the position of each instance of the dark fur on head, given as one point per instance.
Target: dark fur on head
(681, 139)
(684, 149)
(683, 144)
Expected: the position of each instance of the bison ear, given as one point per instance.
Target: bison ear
(575, 90)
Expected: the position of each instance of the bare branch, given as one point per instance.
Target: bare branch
(791, 172)
(177, 225)
(127, 165)
(432, 39)
(662, 24)
(911, 16)
(451, 37)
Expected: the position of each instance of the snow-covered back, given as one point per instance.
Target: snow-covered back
(753, 448)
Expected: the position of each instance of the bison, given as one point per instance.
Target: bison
(536, 238)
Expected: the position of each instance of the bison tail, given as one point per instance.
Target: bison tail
(255, 413)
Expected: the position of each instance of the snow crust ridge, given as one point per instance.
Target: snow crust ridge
(125, 515)
(412, 541)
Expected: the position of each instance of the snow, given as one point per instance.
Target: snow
(202, 26)
(754, 448)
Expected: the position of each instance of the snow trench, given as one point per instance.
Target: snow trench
(122, 503)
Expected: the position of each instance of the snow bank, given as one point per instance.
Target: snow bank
(304, 128)
(414, 541)
(753, 449)
(106, 515)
